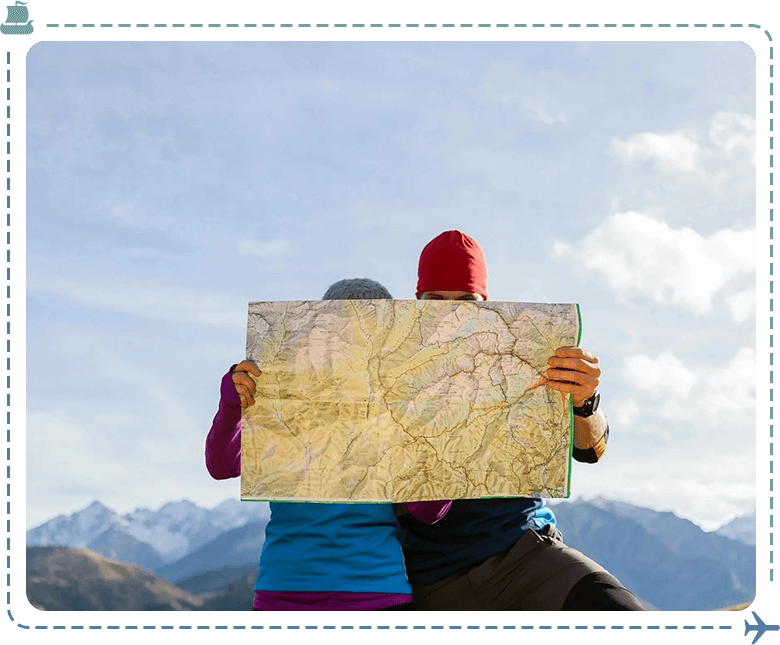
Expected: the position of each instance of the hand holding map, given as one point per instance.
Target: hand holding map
(574, 371)
(245, 386)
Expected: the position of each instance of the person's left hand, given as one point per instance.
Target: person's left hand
(574, 371)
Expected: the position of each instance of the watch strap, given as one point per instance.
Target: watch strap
(588, 407)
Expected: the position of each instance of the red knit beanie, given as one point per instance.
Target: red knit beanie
(452, 262)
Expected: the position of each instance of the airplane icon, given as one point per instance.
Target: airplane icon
(760, 627)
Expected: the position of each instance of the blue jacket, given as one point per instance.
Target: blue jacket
(343, 547)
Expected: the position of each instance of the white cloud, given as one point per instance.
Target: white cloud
(742, 304)
(638, 256)
(694, 393)
(624, 413)
(672, 152)
(665, 376)
(172, 304)
(264, 249)
(733, 388)
(732, 132)
(538, 111)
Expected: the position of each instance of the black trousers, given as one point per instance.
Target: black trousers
(600, 591)
(539, 573)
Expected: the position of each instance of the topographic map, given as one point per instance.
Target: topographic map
(405, 400)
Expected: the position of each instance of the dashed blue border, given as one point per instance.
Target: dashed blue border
(381, 627)
(390, 25)
(364, 627)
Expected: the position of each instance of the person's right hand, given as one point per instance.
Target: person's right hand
(244, 384)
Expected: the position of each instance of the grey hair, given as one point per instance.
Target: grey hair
(356, 289)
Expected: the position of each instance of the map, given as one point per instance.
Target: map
(406, 400)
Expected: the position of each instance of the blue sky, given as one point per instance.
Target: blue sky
(168, 184)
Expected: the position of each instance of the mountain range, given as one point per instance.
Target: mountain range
(741, 529)
(211, 555)
(149, 539)
(668, 562)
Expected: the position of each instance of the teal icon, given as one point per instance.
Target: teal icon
(18, 19)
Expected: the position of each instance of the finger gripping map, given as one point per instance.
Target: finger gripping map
(406, 400)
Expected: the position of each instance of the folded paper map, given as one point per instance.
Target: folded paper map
(406, 400)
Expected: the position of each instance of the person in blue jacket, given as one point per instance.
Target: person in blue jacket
(315, 557)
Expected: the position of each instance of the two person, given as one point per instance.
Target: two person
(492, 554)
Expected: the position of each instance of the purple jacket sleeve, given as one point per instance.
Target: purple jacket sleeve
(428, 512)
(223, 443)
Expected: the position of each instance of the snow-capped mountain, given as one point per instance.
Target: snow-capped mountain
(145, 537)
(76, 530)
(742, 529)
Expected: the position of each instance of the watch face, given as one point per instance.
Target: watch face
(589, 406)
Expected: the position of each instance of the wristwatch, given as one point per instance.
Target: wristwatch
(588, 407)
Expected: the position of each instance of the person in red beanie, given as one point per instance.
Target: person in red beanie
(505, 553)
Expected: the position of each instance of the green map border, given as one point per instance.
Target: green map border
(571, 409)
